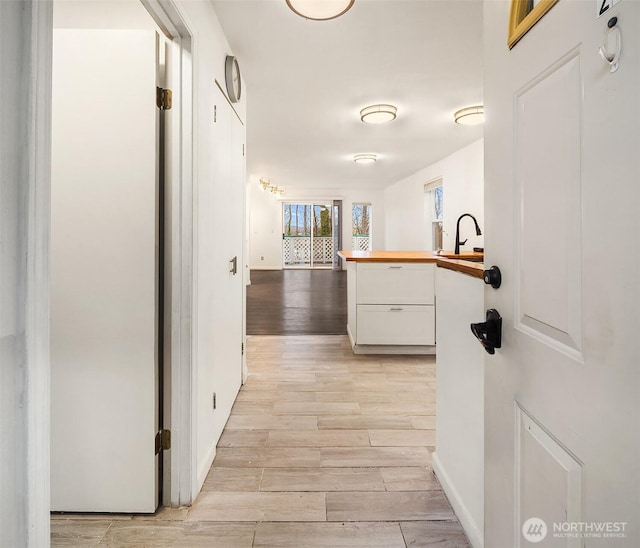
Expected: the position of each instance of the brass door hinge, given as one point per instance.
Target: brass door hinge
(164, 98)
(163, 440)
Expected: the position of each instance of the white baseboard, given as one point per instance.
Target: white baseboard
(393, 349)
(266, 267)
(418, 350)
(203, 469)
(351, 338)
(474, 533)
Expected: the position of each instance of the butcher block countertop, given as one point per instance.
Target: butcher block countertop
(446, 259)
(389, 256)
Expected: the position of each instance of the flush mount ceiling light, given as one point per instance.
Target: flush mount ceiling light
(320, 10)
(470, 116)
(378, 114)
(365, 158)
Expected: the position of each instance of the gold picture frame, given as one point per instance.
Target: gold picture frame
(524, 15)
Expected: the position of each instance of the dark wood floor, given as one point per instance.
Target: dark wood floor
(297, 302)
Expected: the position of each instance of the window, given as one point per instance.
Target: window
(434, 209)
(361, 227)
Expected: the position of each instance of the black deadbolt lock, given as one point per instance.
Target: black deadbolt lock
(493, 277)
(489, 333)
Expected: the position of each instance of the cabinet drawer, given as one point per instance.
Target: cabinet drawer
(395, 283)
(396, 324)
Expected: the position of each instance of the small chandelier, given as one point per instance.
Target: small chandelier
(265, 184)
(378, 114)
(320, 10)
(470, 116)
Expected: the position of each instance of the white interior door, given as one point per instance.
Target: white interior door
(104, 409)
(561, 197)
(229, 185)
(220, 289)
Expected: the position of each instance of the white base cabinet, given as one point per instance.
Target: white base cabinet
(394, 324)
(391, 307)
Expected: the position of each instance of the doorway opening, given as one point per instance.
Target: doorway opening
(307, 235)
(361, 227)
(434, 208)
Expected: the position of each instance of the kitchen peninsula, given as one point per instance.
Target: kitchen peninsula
(392, 310)
(391, 298)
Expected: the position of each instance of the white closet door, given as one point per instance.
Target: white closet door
(220, 291)
(103, 272)
(228, 184)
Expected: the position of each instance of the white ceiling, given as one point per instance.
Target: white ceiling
(307, 81)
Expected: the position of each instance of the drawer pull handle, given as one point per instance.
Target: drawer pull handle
(395, 267)
(396, 309)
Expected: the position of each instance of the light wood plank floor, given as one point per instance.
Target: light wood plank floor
(323, 448)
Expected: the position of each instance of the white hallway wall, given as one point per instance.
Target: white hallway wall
(265, 219)
(463, 184)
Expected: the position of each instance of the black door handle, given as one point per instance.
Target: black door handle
(489, 333)
(493, 277)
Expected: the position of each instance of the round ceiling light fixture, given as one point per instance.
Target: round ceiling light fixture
(470, 116)
(378, 114)
(365, 158)
(320, 10)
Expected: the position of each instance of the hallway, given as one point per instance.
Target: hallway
(323, 448)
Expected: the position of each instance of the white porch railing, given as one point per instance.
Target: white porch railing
(360, 242)
(297, 250)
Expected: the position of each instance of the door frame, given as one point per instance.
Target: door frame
(33, 446)
(179, 467)
(312, 204)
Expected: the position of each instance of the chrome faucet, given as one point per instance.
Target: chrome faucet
(458, 242)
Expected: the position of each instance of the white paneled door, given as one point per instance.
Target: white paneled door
(104, 272)
(561, 192)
